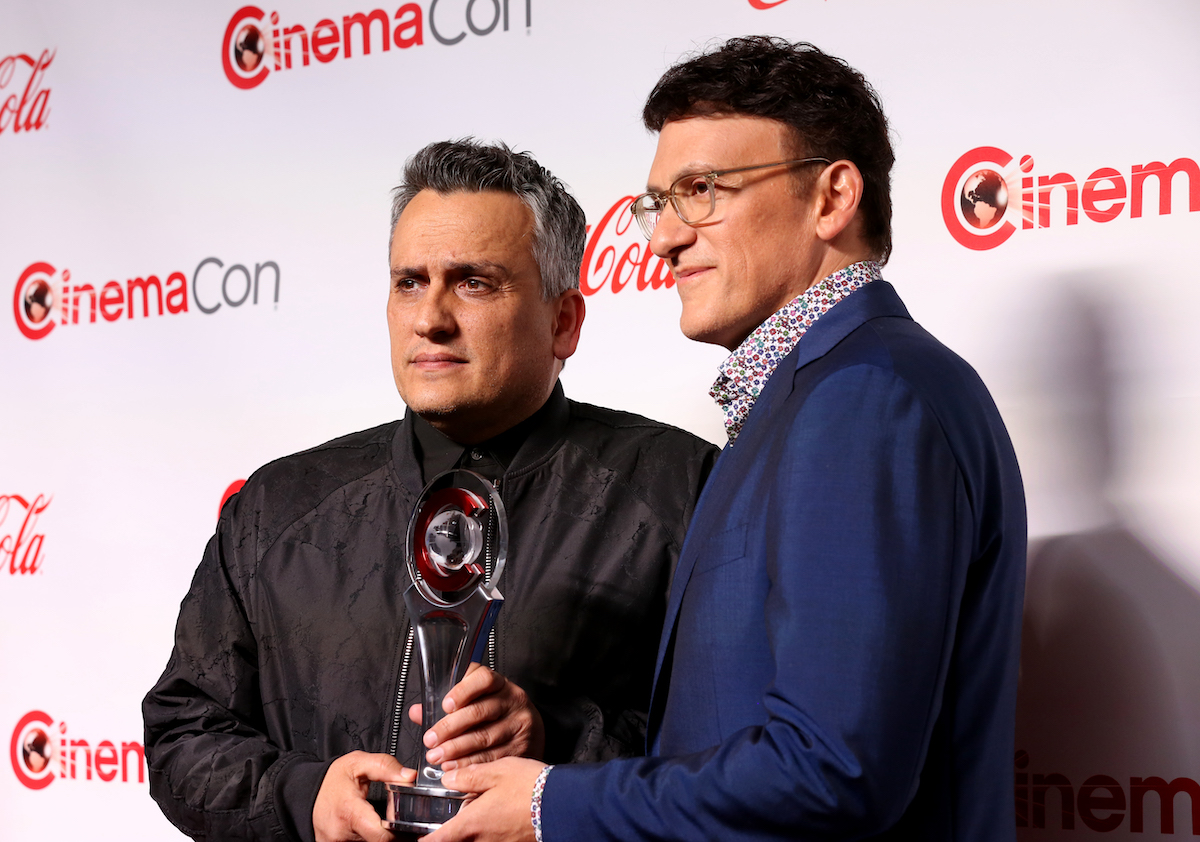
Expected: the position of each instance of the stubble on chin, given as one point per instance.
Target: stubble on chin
(430, 405)
(437, 414)
(451, 415)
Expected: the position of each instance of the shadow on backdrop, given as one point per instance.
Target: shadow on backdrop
(1108, 712)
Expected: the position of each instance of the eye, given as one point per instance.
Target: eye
(648, 203)
(476, 285)
(693, 186)
(406, 284)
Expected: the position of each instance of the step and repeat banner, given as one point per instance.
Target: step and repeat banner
(194, 204)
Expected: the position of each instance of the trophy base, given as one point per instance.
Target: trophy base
(421, 809)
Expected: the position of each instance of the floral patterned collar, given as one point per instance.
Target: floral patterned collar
(745, 372)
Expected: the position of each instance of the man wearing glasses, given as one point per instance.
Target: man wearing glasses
(839, 659)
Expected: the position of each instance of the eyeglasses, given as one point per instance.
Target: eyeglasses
(694, 196)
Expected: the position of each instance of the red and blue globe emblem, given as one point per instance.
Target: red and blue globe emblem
(984, 198)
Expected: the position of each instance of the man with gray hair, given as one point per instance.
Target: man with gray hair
(282, 710)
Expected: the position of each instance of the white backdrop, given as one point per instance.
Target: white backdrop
(126, 151)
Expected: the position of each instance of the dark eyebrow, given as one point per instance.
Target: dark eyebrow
(694, 168)
(478, 267)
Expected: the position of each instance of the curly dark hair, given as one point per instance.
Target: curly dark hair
(832, 110)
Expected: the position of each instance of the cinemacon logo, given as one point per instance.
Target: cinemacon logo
(1050, 801)
(46, 298)
(977, 193)
(41, 750)
(256, 43)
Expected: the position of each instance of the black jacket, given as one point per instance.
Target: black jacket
(289, 643)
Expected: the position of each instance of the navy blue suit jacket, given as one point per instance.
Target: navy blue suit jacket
(839, 659)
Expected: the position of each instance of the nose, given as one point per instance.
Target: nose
(435, 313)
(671, 235)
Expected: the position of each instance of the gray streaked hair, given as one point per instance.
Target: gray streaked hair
(559, 227)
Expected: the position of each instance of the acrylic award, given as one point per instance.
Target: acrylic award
(456, 546)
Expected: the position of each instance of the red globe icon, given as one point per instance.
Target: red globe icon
(39, 298)
(249, 48)
(984, 198)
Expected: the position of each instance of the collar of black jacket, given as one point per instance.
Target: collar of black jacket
(517, 446)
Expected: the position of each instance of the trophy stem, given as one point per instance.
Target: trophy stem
(441, 639)
(447, 640)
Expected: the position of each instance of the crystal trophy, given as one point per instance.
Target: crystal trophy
(456, 546)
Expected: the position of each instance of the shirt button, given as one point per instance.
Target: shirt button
(476, 455)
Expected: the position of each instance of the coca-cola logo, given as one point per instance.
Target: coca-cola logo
(45, 297)
(41, 751)
(617, 256)
(986, 197)
(27, 112)
(21, 540)
(257, 43)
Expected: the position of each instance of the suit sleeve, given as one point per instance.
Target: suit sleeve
(213, 770)
(865, 546)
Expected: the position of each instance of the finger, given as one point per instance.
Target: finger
(451, 831)
(507, 743)
(487, 756)
(379, 767)
(464, 827)
(415, 713)
(487, 743)
(478, 778)
(485, 710)
(479, 681)
(365, 823)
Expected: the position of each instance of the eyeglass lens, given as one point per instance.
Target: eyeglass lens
(692, 197)
(646, 211)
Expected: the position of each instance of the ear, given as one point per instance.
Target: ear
(838, 190)
(568, 320)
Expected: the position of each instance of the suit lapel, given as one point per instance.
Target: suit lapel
(874, 300)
